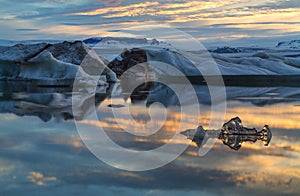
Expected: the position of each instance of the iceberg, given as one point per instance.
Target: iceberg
(261, 63)
(53, 63)
(127, 59)
(257, 63)
(19, 60)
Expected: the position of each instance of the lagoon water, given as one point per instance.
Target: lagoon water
(41, 151)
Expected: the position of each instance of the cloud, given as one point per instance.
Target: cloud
(112, 2)
(201, 19)
(28, 29)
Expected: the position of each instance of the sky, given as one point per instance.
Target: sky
(250, 22)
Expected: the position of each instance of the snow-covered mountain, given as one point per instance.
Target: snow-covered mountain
(122, 42)
(4, 42)
(294, 44)
(112, 42)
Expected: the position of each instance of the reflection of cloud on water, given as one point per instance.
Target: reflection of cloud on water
(39, 179)
(56, 152)
(257, 180)
(53, 152)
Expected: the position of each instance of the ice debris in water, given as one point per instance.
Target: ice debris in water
(232, 134)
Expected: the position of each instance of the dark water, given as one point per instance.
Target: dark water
(42, 152)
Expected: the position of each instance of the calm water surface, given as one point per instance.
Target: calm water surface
(42, 152)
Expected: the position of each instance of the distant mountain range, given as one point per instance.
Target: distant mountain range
(122, 41)
(127, 42)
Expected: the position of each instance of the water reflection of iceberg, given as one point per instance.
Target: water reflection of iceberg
(259, 96)
(24, 99)
(232, 134)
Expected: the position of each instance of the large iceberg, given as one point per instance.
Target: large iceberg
(260, 63)
(199, 63)
(53, 63)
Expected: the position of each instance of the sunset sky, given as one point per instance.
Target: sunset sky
(235, 21)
